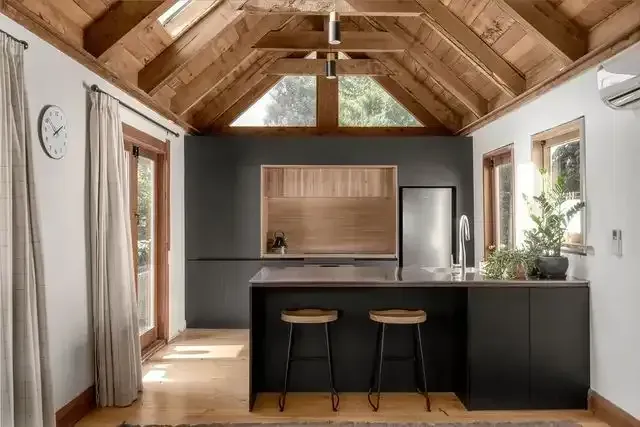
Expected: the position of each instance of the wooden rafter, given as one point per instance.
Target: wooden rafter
(548, 26)
(440, 72)
(203, 84)
(122, 19)
(468, 44)
(193, 42)
(623, 22)
(316, 67)
(419, 91)
(352, 41)
(323, 7)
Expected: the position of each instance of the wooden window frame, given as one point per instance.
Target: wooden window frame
(158, 151)
(541, 145)
(490, 161)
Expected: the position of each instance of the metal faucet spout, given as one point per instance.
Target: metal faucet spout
(464, 235)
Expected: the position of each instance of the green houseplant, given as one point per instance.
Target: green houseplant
(550, 215)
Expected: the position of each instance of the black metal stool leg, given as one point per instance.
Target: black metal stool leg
(416, 362)
(424, 372)
(376, 406)
(283, 396)
(372, 378)
(335, 398)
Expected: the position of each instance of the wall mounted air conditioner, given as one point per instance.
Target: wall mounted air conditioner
(619, 79)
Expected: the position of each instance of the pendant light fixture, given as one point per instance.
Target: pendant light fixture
(330, 66)
(334, 28)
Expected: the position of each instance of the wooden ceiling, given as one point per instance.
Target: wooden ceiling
(455, 64)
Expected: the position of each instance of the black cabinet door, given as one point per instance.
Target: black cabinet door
(559, 348)
(498, 348)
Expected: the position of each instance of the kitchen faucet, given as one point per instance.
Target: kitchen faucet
(463, 236)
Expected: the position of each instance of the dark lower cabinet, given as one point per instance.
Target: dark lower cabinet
(559, 334)
(528, 348)
(498, 348)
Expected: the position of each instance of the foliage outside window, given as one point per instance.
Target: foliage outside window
(362, 102)
(291, 102)
(498, 194)
(560, 151)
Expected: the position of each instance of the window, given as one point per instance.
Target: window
(183, 14)
(291, 102)
(498, 189)
(148, 186)
(362, 102)
(560, 151)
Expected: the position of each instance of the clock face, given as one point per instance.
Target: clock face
(53, 132)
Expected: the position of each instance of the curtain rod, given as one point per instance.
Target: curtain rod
(22, 42)
(95, 88)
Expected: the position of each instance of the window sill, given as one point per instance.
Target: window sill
(577, 249)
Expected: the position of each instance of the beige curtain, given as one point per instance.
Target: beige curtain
(25, 376)
(115, 319)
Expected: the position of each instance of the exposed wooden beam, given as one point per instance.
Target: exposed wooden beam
(34, 23)
(193, 42)
(439, 71)
(327, 101)
(340, 131)
(316, 67)
(323, 7)
(246, 101)
(420, 92)
(119, 21)
(128, 29)
(412, 105)
(548, 26)
(204, 83)
(623, 22)
(352, 41)
(472, 47)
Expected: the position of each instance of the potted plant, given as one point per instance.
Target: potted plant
(505, 264)
(550, 214)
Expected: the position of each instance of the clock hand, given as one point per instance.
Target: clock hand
(59, 129)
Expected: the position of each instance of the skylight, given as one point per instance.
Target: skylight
(173, 11)
(183, 14)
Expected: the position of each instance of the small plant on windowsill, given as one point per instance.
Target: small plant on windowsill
(550, 215)
(505, 264)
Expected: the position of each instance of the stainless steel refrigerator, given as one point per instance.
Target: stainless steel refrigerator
(427, 227)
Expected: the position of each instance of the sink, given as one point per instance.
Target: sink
(448, 270)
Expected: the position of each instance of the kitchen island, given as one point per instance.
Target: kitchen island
(495, 344)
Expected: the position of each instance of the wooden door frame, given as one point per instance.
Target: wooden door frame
(159, 151)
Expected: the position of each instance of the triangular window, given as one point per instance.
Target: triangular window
(364, 103)
(290, 102)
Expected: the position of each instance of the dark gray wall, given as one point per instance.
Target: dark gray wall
(222, 183)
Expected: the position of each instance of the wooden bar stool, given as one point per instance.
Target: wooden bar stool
(309, 316)
(398, 317)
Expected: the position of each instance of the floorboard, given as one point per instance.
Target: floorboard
(202, 377)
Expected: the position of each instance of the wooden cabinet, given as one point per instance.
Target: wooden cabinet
(331, 210)
(528, 348)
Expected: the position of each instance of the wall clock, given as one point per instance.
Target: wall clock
(53, 131)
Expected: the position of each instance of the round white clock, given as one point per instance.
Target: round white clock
(53, 131)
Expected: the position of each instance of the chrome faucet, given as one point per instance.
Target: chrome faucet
(463, 236)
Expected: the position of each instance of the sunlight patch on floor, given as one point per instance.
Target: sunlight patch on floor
(229, 351)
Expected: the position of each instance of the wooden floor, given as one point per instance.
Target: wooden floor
(202, 377)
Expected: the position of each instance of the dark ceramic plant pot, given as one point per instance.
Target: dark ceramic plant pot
(553, 267)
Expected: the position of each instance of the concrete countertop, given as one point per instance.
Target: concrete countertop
(368, 277)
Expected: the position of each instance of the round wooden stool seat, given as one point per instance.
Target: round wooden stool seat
(309, 315)
(398, 317)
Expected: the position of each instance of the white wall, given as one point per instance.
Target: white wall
(613, 201)
(61, 189)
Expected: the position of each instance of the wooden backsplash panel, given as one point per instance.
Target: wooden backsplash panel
(305, 181)
(334, 225)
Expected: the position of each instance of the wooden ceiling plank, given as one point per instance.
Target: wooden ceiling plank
(45, 12)
(405, 99)
(624, 21)
(323, 7)
(352, 41)
(127, 30)
(316, 67)
(246, 101)
(549, 27)
(193, 41)
(198, 88)
(440, 72)
(116, 23)
(427, 98)
(467, 43)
